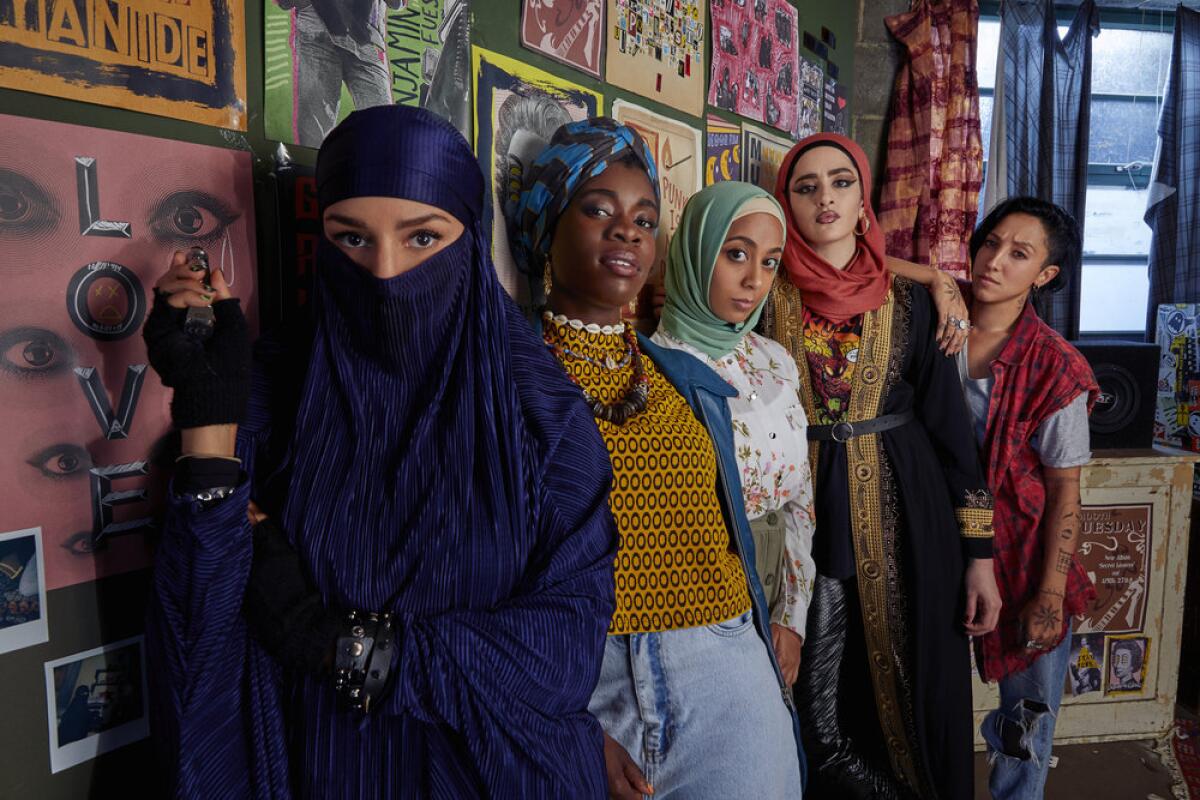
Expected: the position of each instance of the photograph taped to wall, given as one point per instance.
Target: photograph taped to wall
(722, 151)
(762, 155)
(677, 152)
(1114, 549)
(97, 216)
(325, 58)
(1128, 658)
(517, 109)
(96, 702)
(22, 590)
(569, 31)
(1085, 667)
(756, 60)
(655, 48)
(812, 86)
(834, 108)
(180, 60)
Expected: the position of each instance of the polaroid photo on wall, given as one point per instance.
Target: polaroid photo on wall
(96, 702)
(1127, 657)
(22, 590)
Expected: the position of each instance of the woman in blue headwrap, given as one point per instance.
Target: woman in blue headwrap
(690, 697)
(440, 484)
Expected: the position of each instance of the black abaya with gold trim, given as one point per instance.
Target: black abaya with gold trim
(906, 507)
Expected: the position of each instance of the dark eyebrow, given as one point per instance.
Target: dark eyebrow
(609, 193)
(814, 176)
(745, 239)
(1026, 245)
(404, 223)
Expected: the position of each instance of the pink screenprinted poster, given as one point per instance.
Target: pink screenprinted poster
(756, 60)
(89, 219)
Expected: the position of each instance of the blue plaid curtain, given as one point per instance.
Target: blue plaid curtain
(1173, 210)
(1042, 131)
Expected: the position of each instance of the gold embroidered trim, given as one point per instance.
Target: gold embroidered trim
(866, 499)
(975, 523)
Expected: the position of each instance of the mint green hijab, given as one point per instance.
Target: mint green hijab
(695, 247)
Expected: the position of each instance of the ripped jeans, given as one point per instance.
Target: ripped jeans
(1019, 733)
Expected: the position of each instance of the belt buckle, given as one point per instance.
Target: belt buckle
(842, 432)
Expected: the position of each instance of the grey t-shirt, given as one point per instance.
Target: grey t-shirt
(1061, 441)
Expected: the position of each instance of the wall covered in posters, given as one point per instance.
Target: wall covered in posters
(76, 542)
(184, 60)
(92, 218)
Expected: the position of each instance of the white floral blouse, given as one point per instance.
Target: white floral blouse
(769, 435)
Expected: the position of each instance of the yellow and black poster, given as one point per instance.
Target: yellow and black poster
(174, 58)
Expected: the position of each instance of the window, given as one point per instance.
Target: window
(1130, 59)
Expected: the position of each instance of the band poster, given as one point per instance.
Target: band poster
(762, 155)
(517, 109)
(1114, 550)
(655, 48)
(756, 61)
(322, 60)
(722, 151)
(185, 60)
(98, 214)
(569, 31)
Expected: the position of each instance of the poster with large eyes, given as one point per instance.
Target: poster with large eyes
(88, 221)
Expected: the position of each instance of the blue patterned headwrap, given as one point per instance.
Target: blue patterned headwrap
(578, 152)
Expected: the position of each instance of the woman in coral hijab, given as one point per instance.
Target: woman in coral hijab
(903, 517)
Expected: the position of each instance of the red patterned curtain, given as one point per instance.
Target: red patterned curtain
(930, 193)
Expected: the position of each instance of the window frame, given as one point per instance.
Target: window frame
(1101, 173)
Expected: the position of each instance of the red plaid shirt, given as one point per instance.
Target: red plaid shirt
(1037, 374)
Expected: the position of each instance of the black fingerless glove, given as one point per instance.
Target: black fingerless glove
(211, 378)
(284, 611)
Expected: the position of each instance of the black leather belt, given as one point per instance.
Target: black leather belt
(845, 431)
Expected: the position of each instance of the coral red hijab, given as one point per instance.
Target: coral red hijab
(836, 294)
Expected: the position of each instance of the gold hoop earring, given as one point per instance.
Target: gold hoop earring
(547, 279)
(866, 229)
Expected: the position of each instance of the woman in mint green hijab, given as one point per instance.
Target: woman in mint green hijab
(722, 262)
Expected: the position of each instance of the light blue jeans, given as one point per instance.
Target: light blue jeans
(700, 711)
(1020, 733)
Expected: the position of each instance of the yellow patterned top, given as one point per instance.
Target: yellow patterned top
(675, 568)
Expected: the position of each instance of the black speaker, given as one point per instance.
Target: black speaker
(1127, 372)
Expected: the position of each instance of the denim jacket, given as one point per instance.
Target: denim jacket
(706, 392)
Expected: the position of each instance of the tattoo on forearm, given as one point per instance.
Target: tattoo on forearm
(1063, 564)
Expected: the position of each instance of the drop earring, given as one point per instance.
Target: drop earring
(547, 280)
